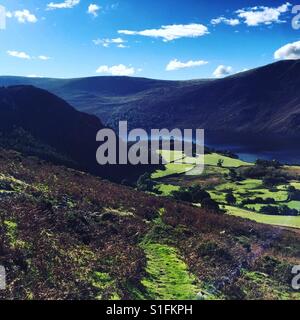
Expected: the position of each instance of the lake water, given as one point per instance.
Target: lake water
(251, 155)
(282, 152)
(251, 147)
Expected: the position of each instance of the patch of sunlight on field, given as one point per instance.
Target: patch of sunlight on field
(293, 222)
(212, 160)
(258, 206)
(295, 184)
(196, 171)
(171, 169)
(217, 196)
(178, 163)
(252, 189)
(293, 205)
(251, 183)
(290, 204)
(265, 193)
(167, 189)
(180, 157)
(241, 187)
(283, 187)
(171, 155)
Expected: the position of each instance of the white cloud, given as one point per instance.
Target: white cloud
(119, 70)
(230, 22)
(117, 40)
(222, 71)
(67, 4)
(104, 42)
(23, 16)
(93, 9)
(9, 14)
(107, 42)
(19, 54)
(24, 55)
(171, 32)
(263, 15)
(43, 57)
(176, 64)
(289, 51)
(122, 46)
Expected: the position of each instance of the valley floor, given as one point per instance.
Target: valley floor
(216, 180)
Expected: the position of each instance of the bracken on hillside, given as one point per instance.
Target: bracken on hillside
(65, 234)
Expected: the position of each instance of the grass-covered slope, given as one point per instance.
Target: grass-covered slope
(68, 235)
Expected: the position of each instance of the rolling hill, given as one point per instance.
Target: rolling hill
(258, 104)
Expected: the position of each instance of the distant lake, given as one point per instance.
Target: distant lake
(251, 155)
(281, 152)
(250, 147)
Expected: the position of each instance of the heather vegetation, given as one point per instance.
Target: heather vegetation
(65, 234)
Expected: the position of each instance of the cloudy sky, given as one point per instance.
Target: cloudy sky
(158, 39)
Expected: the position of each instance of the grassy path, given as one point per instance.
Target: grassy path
(168, 277)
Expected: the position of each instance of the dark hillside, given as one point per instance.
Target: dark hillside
(39, 123)
(258, 104)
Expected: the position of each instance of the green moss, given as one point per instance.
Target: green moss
(9, 184)
(12, 234)
(41, 187)
(101, 280)
(258, 285)
(167, 275)
(106, 286)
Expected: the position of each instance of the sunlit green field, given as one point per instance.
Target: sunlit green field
(212, 160)
(214, 176)
(166, 189)
(251, 189)
(172, 168)
(177, 163)
(293, 222)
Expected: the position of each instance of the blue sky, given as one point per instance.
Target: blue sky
(156, 39)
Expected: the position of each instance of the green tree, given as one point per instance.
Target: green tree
(145, 183)
(230, 198)
(220, 163)
(233, 176)
(211, 205)
(195, 194)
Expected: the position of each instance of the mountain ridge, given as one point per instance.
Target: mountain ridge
(261, 102)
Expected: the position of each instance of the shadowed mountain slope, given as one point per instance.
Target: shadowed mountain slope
(263, 101)
(39, 123)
